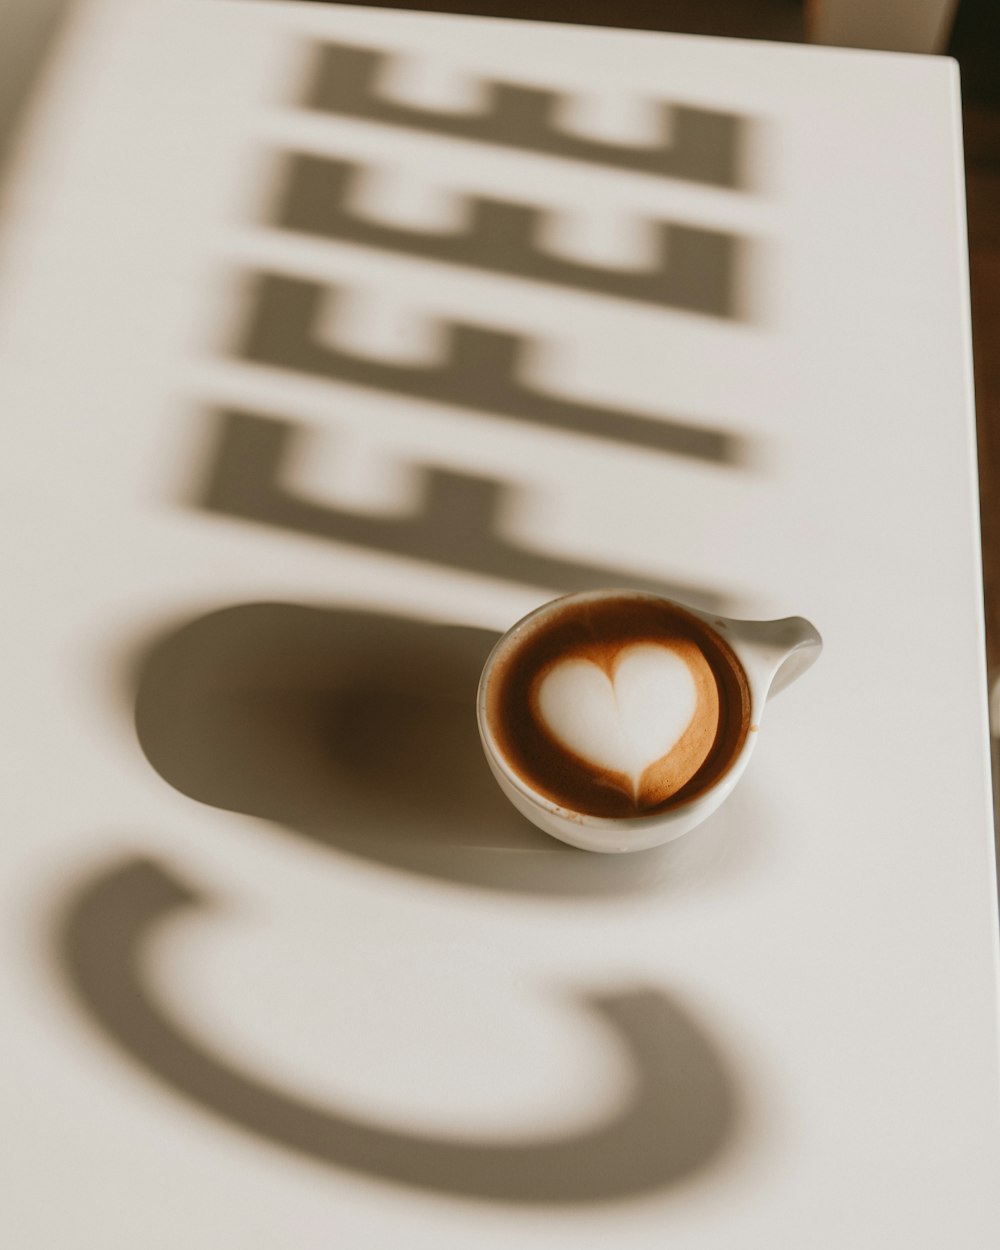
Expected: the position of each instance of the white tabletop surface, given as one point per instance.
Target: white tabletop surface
(281, 970)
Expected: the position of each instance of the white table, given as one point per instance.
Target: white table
(272, 979)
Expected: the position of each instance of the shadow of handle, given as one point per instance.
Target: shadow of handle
(679, 1113)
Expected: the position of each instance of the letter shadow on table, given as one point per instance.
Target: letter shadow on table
(705, 146)
(456, 524)
(479, 369)
(357, 730)
(691, 268)
(679, 1112)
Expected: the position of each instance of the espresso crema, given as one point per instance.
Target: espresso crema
(617, 705)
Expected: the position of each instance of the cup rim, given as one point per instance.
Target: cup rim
(679, 810)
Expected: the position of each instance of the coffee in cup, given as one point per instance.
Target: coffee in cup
(617, 706)
(618, 719)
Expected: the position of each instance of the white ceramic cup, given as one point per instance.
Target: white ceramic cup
(771, 653)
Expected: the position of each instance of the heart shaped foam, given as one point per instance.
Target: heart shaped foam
(626, 721)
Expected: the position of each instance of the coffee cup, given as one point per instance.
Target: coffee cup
(617, 720)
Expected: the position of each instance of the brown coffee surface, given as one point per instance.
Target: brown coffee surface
(601, 631)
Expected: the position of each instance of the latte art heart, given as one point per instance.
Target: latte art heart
(622, 721)
(614, 705)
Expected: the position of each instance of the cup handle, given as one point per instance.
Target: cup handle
(775, 653)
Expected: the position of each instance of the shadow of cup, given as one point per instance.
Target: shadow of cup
(357, 729)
